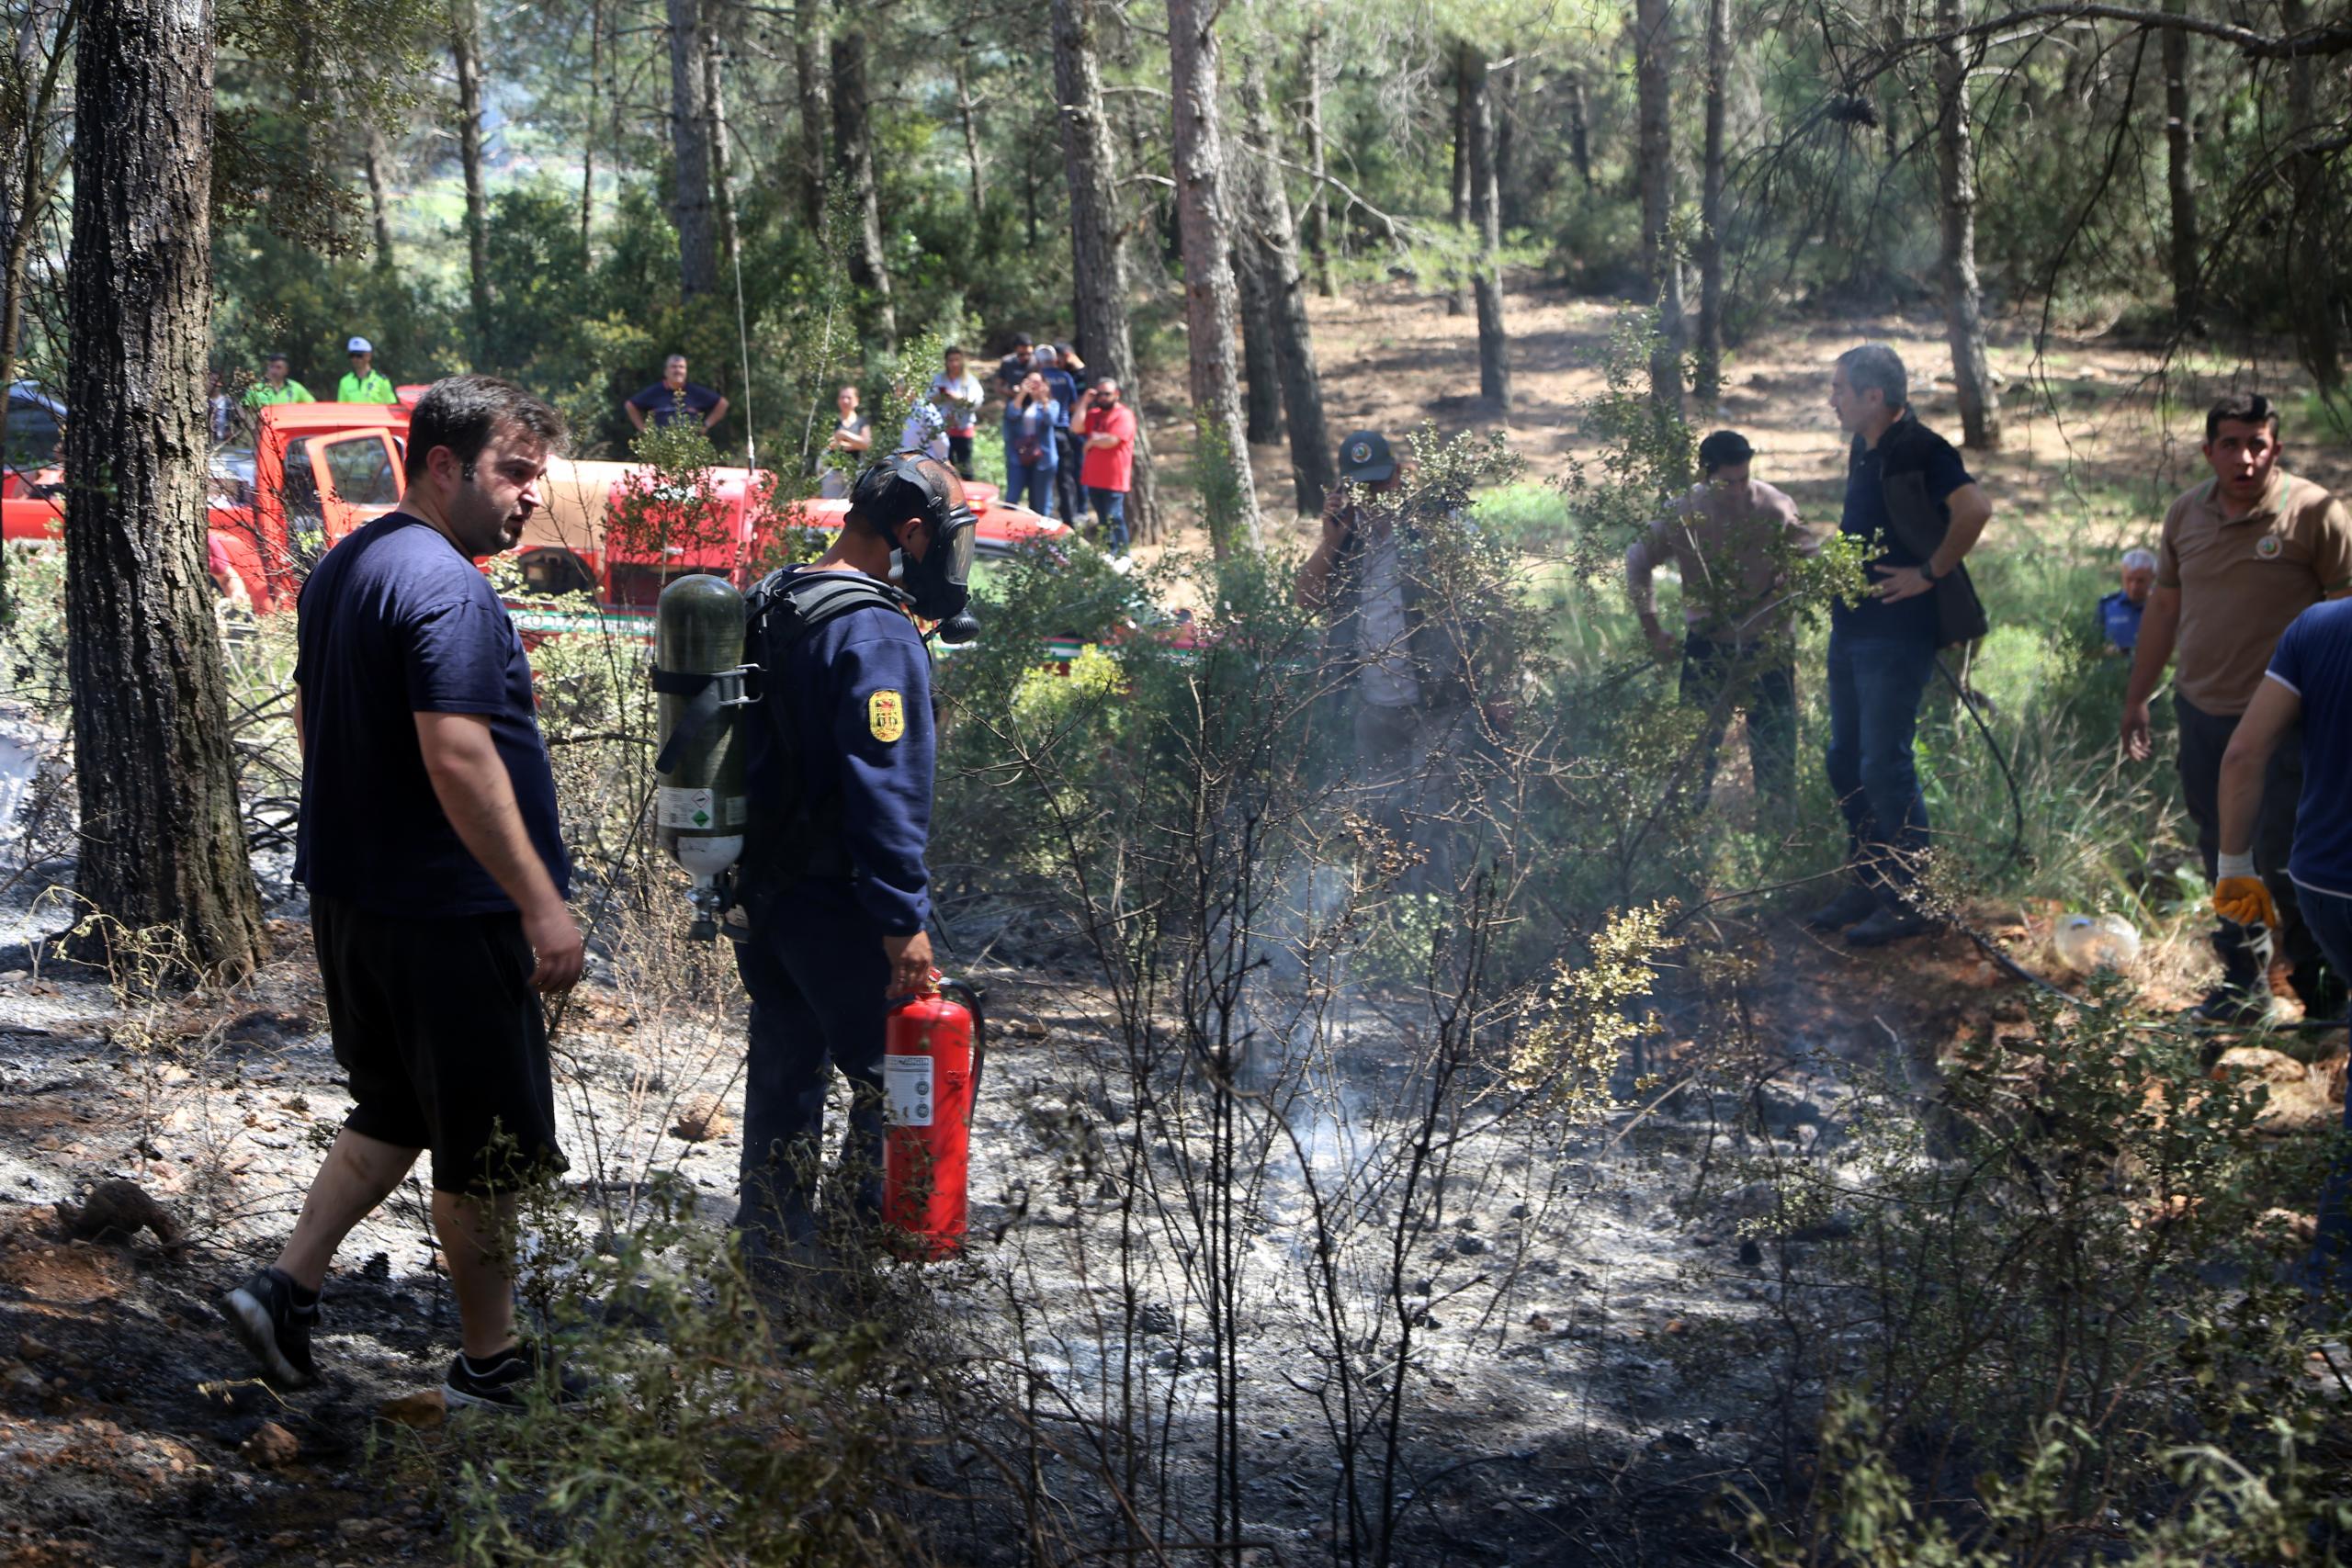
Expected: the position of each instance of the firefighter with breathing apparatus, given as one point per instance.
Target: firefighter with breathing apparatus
(830, 757)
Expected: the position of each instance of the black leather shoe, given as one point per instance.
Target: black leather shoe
(2232, 1007)
(1856, 903)
(1890, 922)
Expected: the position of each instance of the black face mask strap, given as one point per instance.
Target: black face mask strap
(942, 516)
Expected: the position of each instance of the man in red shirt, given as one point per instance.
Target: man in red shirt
(1108, 430)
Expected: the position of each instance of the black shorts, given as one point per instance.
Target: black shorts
(444, 1039)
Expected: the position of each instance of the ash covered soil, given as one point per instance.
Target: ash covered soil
(1591, 1309)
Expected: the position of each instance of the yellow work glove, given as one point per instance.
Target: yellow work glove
(2240, 896)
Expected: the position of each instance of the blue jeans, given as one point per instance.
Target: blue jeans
(817, 975)
(1110, 511)
(1037, 479)
(2329, 917)
(1875, 686)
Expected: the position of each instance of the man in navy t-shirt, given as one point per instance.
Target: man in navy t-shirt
(2309, 684)
(675, 398)
(1883, 649)
(430, 844)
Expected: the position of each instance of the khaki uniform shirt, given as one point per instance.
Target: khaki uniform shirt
(2242, 579)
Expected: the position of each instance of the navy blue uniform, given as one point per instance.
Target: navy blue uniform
(857, 697)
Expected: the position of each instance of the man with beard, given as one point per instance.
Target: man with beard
(430, 844)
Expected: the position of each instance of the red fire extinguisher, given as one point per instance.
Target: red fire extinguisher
(933, 1049)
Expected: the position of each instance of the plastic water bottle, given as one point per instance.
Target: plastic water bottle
(2086, 943)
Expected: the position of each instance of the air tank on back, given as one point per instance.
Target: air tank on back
(699, 804)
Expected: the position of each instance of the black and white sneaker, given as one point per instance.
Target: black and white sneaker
(506, 1379)
(262, 1313)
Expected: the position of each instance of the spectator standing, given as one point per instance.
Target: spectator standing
(220, 409)
(2119, 612)
(1407, 658)
(362, 383)
(1014, 366)
(1066, 385)
(958, 393)
(1732, 539)
(431, 845)
(1031, 459)
(2306, 693)
(926, 427)
(276, 386)
(1107, 435)
(2242, 555)
(846, 448)
(1905, 485)
(673, 397)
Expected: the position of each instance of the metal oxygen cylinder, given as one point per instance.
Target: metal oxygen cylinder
(700, 806)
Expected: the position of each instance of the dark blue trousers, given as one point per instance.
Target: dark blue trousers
(1875, 688)
(817, 976)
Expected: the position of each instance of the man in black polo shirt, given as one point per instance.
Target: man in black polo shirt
(673, 397)
(431, 847)
(1883, 649)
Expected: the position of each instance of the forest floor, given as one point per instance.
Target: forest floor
(2098, 433)
(1590, 1370)
(1590, 1374)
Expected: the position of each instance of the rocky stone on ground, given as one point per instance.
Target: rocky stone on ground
(120, 1209)
(701, 1119)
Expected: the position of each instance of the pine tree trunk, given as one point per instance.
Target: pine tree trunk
(1579, 132)
(465, 53)
(2310, 292)
(26, 188)
(161, 841)
(1457, 298)
(869, 265)
(966, 110)
(1319, 206)
(373, 156)
(1654, 92)
(1707, 371)
(1486, 212)
(816, 108)
(1502, 101)
(2181, 173)
(722, 194)
(1980, 405)
(1269, 232)
(690, 151)
(1097, 236)
(1890, 103)
(1212, 312)
(1261, 396)
(587, 124)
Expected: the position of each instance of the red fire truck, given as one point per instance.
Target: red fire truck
(320, 470)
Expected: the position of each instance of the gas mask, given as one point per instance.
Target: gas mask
(939, 583)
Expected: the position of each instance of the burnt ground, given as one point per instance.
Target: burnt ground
(1589, 1374)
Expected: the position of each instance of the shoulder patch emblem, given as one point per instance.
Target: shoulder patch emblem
(886, 715)
(2267, 546)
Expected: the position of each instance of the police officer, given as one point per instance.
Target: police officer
(833, 883)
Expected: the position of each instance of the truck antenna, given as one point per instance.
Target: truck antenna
(743, 342)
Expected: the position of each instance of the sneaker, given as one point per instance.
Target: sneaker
(1856, 903)
(262, 1312)
(1889, 922)
(506, 1379)
(2232, 1007)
